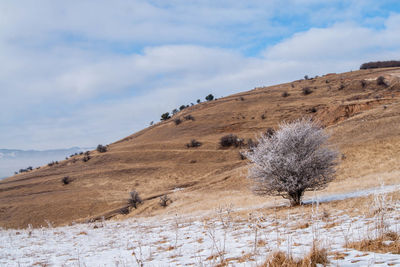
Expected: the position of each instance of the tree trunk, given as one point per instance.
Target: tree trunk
(295, 197)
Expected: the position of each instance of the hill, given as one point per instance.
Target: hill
(359, 109)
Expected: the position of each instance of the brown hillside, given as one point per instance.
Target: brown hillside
(362, 116)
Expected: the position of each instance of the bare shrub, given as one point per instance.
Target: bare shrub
(101, 148)
(189, 117)
(363, 83)
(66, 180)
(86, 158)
(293, 160)
(164, 200)
(230, 140)
(312, 110)
(135, 199)
(269, 132)
(306, 90)
(177, 121)
(193, 143)
(381, 81)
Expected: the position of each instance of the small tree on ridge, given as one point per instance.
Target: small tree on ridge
(293, 160)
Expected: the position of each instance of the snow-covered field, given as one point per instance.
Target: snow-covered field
(200, 241)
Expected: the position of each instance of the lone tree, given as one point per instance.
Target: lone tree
(293, 160)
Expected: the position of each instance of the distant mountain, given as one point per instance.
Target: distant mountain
(12, 160)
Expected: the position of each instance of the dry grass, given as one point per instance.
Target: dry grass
(387, 243)
(337, 255)
(316, 256)
(302, 225)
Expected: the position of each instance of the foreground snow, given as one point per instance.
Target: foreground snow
(181, 240)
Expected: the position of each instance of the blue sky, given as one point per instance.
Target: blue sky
(80, 73)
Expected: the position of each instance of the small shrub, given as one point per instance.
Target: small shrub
(66, 180)
(198, 101)
(164, 200)
(230, 140)
(193, 143)
(175, 111)
(101, 148)
(306, 77)
(381, 81)
(210, 97)
(341, 87)
(165, 116)
(124, 210)
(182, 107)
(263, 116)
(306, 91)
(269, 132)
(363, 83)
(313, 110)
(285, 94)
(177, 121)
(86, 158)
(241, 98)
(189, 117)
(135, 199)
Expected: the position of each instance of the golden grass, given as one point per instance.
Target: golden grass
(281, 259)
(389, 242)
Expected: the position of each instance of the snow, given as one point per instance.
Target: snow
(184, 240)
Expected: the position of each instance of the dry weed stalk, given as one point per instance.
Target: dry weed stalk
(383, 239)
(255, 224)
(225, 219)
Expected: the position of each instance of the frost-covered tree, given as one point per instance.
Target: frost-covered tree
(293, 160)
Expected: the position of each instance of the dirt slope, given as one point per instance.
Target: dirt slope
(363, 117)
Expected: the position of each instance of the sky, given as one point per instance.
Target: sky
(82, 73)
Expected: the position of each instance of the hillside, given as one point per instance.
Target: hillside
(362, 115)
